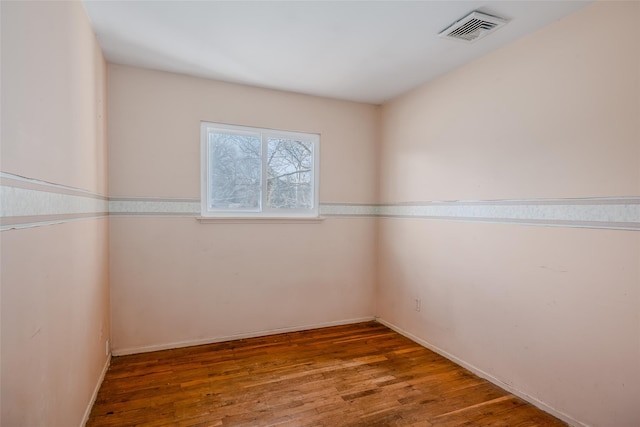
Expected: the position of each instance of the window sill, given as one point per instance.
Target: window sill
(258, 220)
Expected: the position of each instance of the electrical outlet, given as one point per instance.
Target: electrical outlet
(418, 304)
(106, 348)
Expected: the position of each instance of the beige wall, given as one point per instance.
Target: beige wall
(54, 279)
(553, 313)
(177, 281)
(154, 132)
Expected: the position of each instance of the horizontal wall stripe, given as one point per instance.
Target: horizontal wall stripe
(137, 206)
(588, 212)
(154, 199)
(189, 207)
(25, 202)
(610, 213)
(16, 202)
(348, 210)
(539, 223)
(9, 221)
(24, 208)
(11, 180)
(174, 207)
(507, 202)
(41, 223)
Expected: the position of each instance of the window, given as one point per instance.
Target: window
(253, 172)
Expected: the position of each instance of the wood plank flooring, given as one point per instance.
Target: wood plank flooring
(354, 376)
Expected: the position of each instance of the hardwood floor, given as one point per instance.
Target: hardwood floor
(356, 375)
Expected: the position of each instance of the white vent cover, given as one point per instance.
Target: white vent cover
(473, 27)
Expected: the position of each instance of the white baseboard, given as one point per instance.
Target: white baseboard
(482, 374)
(180, 344)
(87, 411)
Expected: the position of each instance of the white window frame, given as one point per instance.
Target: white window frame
(263, 211)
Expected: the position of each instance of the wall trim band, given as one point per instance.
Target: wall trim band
(26, 202)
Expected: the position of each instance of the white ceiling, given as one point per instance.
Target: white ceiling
(367, 51)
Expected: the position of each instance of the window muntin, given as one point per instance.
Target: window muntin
(257, 172)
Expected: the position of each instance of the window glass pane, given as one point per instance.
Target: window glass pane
(235, 165)
(289, 174)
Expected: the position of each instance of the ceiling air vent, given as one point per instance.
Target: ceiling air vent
(472, 27)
